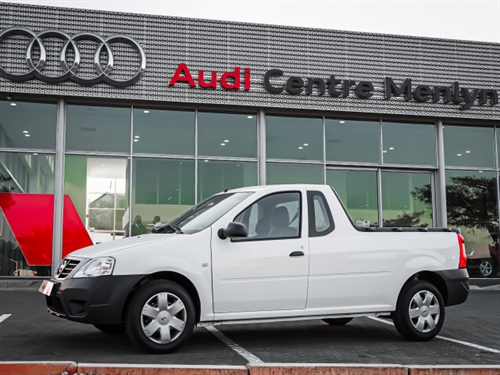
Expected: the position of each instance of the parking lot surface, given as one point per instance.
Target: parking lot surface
(470, 336)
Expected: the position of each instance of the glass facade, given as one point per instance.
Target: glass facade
(28, 125)
(358, 191)
(127, 168)
(411, 144)
(342, 135)
(163, 132)
(97, 129)
(472, 190)
(401, 202)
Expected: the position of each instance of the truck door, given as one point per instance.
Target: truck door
(267, 270)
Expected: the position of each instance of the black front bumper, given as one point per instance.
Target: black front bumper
(457, 285)
(95, 300)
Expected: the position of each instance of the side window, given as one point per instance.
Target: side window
(320, 217)
(275, 216)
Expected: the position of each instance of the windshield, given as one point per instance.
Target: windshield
(207, 212)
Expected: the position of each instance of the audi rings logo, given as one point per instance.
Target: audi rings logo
(69, 70)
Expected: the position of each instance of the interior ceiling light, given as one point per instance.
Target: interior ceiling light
(467, 152)
(459, 154)
(306, 144)
(13, 104)
(222, 144)
(27, 135)
(385, 151)
(25, 131)
(146, 111)
(342, 122)
(391, 148)
(301, 148)
(137, 136)
(136, 140)
(249, 116)
(226, 140)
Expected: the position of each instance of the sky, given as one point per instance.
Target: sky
(477, 20)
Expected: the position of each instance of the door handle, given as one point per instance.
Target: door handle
(297, 254)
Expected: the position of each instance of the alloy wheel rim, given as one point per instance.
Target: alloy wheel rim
(424, 311)
(163, 318)
(485, 268)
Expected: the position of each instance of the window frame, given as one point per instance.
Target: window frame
(246, 239)
(311, 194)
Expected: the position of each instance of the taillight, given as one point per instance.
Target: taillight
(463, 256)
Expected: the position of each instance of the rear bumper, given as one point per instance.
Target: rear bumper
(457, 285)
(95, 300)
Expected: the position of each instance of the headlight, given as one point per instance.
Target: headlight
(96, 267)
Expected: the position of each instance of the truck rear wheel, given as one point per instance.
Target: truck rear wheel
(419, 313)
(160, 317)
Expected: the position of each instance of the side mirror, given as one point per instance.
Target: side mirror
(233, 229)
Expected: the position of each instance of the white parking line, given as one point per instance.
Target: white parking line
(3, 317)
(472, 345)
(238, 349)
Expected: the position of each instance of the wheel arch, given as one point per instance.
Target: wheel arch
(171, 276)
(433, 278)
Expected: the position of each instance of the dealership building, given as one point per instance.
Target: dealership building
(107, 118)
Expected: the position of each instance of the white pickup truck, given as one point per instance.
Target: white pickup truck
(262, 254)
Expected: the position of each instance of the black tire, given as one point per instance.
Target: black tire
(111, 328)
(426, 321)
(337, 321)
(150, 321)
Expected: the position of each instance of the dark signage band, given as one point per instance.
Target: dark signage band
(69, 71)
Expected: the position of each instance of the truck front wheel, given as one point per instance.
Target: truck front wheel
(419, 313)
(160, 317)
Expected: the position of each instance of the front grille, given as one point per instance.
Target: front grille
(66, 267)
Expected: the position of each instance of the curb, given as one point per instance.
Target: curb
(38, 368)
(72, 368)
(325, 369)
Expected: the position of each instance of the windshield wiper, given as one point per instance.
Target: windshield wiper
(167, 228)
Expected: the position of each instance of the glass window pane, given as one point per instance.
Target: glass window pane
(163, 132)
(217, 176)
(468, 146)
(162, 189)
(294, 138)
(358, 192)
(406, 199)
(26, 214)
(353, 141)
(97, 187)
(279, 173)
(28, 125)
(471, 204)
(409, 143)
(91, 128)
(272, 217)
(224, 134)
